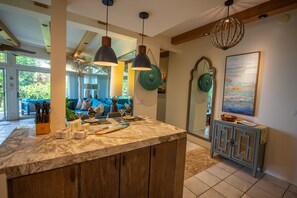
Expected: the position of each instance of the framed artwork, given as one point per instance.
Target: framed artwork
(240, 83)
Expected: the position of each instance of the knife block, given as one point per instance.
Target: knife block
(43, 128)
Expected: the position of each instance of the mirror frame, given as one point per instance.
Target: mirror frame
(213, 97)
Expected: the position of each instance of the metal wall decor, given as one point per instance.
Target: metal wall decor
(151, 79)
(228, 31)
(205, 82)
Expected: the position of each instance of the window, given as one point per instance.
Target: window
(30, 61)
(2, 57)
(125, 82)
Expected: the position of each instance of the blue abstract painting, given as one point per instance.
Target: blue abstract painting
(241, 74)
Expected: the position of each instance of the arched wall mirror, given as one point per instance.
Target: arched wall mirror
(201, 99)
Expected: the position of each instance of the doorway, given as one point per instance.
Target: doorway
(32, 87)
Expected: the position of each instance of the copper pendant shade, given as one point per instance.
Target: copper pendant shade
(105, 56)
(142, 61)
(228, 31)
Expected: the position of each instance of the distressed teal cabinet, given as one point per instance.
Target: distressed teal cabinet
(240, 143)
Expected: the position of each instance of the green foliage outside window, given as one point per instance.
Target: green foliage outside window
(30, 61)
(35, 91)
(34, 85)
(2, 57)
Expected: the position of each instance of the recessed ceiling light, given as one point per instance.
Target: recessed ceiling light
(263, 16)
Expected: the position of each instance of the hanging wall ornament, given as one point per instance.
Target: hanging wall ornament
(151, 79)
(205, 82)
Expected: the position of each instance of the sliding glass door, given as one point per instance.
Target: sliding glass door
(32, 87)
(3, 112)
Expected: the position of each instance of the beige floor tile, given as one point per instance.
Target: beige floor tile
(293, 188)
(259, 193)
(188, 194)
(246, 196)
(272, 188)
(238, 183)
(290, 194)
(218, 172)
(196, 186)
(227, 190)
(275, 181)
(211, 193)
(208, 178)
(191, 146)
(247, 176)
(229, 166)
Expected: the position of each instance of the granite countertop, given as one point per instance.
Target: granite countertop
(24, 153)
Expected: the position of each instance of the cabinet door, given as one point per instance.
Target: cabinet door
(100, 177)
(167, 169)
(244, 145)
(134, 179)
(222, 136)
(61, 182)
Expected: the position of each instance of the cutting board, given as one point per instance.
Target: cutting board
(112, 128)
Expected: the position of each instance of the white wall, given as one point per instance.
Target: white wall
(276, 95)
(145, 102)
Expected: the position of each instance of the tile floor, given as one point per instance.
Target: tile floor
(229, 179)
(6, 129)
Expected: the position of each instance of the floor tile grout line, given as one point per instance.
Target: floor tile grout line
(286, 190)
(190, 190)
(244, 192)
(260, 187)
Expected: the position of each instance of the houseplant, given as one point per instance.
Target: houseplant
(70, 115)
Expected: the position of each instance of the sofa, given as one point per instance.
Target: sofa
(106, 102)
(28, 105)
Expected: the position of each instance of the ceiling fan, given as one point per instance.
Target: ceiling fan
(4, 47)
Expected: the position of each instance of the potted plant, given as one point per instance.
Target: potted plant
(70, 115)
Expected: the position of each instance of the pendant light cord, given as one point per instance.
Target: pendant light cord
(106, 20)
(228, 12)
(142, 31)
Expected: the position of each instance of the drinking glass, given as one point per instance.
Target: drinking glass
(79, 115)
(122, 111)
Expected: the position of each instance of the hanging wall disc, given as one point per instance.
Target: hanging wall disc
(205, 82)
(151, 79)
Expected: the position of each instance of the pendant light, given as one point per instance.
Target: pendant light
(142, 61)
(228, 31)
(105, 55)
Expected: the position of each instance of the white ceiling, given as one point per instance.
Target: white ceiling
(167, 18)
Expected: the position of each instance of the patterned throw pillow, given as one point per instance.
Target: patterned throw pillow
(86, 105)
(79, 103)
(99, 110)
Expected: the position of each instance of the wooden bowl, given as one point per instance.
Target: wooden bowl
(228, 118)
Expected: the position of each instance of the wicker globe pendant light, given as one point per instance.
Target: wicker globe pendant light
(228, 31)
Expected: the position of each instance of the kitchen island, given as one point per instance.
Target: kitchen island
(146, 159)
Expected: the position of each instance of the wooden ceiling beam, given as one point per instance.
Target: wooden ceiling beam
(46, 33)
(86, 39)
(271, 8)
(7, 35)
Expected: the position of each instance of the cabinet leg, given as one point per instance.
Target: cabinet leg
(211, 154)
(254, 172)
